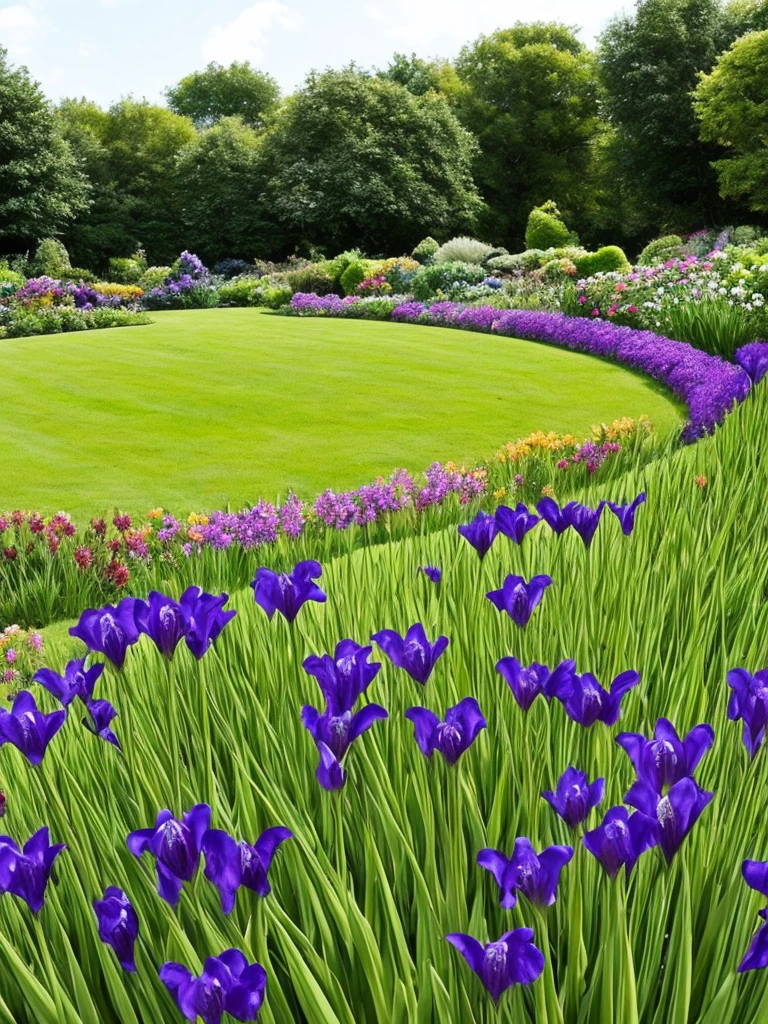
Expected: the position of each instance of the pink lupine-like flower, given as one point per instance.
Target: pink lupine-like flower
(11, 655)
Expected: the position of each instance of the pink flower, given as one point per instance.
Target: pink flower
(35, 641)
(83, 557)
(9, 676)
(562, 464)
(595, 312)
(582, 299)
(621, 286)
(631, 309)
(10, 655)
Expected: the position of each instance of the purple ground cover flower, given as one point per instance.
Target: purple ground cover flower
(753, 359)
(527, 682)
(229, 864)
(534, 875)
(343, 677)
(480, 533)
(228, 984)
(575, 796)
(26, 873)
(626, 513)
(666, 759)
(620, 840)
(28, 729)
(77, 681)
(518, 598)
(587, 702)
(452, 736)
(110, 630)
(288, 592)
(118, 925)
(333, 735)
(175, 845)
(511, 960)
(749, 702)
(671, 816)
(755, 873)
(515, 523)
(413, 652)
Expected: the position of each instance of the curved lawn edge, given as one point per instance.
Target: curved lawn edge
(708, 385)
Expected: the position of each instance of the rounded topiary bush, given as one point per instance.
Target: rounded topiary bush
(463, 250)
(661, 249)
(356, 272)
(426, 249)
(546, 229)
(608, 258)
(51, 259)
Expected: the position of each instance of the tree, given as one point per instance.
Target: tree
(220, 181)
(530, 96)
(129, 152)
(649, 65)
(41, 187)
(360, 161)
(419, 76)
(235, 91)
(732, 105)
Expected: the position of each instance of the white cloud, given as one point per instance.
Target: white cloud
(246, 36)
(19, 25)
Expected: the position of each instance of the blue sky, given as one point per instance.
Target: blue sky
(104, 49)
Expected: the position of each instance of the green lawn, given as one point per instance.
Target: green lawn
(216, 406)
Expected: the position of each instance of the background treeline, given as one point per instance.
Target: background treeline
(663, 127)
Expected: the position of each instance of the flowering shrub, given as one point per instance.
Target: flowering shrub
(21, 655)
(187, 287)
(126, 294)
(61, 320)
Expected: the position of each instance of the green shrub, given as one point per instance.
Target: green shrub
(440, 277)
(125, 270)
(66, 319)
(51, 259)
(712, 325)
(425, 250)
(660, 250)
(276, 296)
(355, 272)
(313, 278)
(463, 250)
(78, 274)
(242, 291)
(559, 269)
(10, 277)
(339, 264)
(745, 234)
(153, 277)
(545, 228)
(608, 258)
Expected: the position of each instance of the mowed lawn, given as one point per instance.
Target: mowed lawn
(210, 407)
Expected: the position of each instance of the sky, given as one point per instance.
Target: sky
(105, 49)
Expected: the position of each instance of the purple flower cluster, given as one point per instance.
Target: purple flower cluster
(753, 359)
(321, 305)
(45, 291)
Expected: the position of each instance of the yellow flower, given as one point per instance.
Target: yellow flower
(155, 513)
(498, 495)
(548, 490)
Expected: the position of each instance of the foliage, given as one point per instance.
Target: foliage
(59, 320)
(661, 249)
(731, 103)
(128, 294)
(10, 277)
(606, 259)
(153, 277)
(354, 159)
(545, 228)
(425, 251)
(355, 273)
(530, 96)
(207, 96)
(714, 325)
(339, 264)
(51, 258)
(315, 277)
(241, 291)
(416, 75)
(128, 269)
(42, 189)
(463, 250)
(230, 268)
(432, 280)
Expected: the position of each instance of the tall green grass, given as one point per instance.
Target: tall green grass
(362, 897)
(712, 325)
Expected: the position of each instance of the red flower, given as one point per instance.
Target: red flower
(36, 523)
(114, 546)
(10, 554)
(118, 573)
(99, 527)
(83, 557)
(122, 523)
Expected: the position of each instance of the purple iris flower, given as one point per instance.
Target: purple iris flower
(102, 714)
(205, 617)
(451, 737)
(433, 574)
(534, 875)
(626, 513)
(511, 960)
(620, 839)
(26, 874)
(575, 796)
(749, 702)
(480, 533)
(287, 592)
(77, 681)
(671, 816)
(333, 735)
(343, 677)
(110, 630)
(228, 984)
(175, 845)
(118, 925)
(527, 682)
(518, 598)
(28, 729)
(412, 652)
(163, 621)
(557, 519)
(515, 523)
(585, 520)
(664, 760)
(229, 864)
(585, 700)
(755, 874)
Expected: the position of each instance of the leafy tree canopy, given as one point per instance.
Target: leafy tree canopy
(235, 91)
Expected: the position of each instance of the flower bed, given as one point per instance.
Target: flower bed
(709, 386)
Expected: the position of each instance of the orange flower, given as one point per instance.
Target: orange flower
(700, 481)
